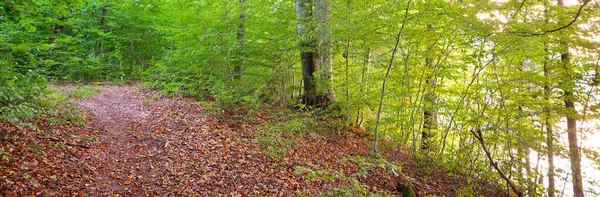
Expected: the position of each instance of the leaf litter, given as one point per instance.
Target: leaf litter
(172, 147)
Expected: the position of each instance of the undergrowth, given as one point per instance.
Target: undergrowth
(53, 104)
(279, 134)
(84, 91)
(351, 184)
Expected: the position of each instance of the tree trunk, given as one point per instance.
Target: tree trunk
(549, 135)
(346, 52)
(103, 20)
(429, 114)
(313, 95)
(479, 136)
(387, 73)
(322, 17)
(241, 34)
(132, 52)
(363, 88)
(548, 116)
(574, 152)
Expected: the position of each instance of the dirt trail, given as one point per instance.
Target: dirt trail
(170, 147)
(115, 109)
(157, 146)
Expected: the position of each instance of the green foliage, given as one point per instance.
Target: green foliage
(476, 65)
(278, 137)
(84, 91)
(352, 187)
(367, 163)
(75, 40)
(21, 96)
(466, 191)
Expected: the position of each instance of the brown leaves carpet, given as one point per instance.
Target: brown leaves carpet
(171, 147)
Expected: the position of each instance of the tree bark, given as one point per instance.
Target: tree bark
(479, 136)
(241, 34)
(322, 17)
(549, 134)
(313, 95)
(574, 150)
(548, 117)
(307, 54)
(429, 114)
(549, 138)
(103, 20)
(387, 73)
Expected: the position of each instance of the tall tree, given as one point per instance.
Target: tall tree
(315, 54)
(429, 114)
(387, 74)
(103, 19)
(241, 34)
(322, 18)
(571, 115)
(547, 115)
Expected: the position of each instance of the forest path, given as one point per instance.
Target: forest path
(165, 146)
(137, 143)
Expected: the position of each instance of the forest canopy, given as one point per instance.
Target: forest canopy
(499, 89)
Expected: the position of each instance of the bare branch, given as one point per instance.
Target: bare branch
(479, 136)
(530, 34)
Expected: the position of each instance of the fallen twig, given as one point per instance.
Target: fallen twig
(60, 140)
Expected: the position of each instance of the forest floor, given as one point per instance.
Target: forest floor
(136, 143)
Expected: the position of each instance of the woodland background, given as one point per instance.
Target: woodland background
(498, 90)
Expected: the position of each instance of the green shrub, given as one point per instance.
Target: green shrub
(21, 96)
(466, 191)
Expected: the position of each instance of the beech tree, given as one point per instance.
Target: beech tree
(498, 90)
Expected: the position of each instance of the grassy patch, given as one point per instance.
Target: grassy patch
(280, 134)
(85, 91)
(352, 186)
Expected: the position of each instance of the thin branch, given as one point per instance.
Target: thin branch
(530, 34)
(479, 136)
(387, 73)
(60, 140)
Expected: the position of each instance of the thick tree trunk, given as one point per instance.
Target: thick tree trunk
(313, 95)
(307, 54)
(322, 18)
(574, 152)
(241, 34)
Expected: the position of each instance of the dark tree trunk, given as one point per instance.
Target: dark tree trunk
(57, 29)
(313, 96)
(241, 33)
(103, 20)
(429, 114)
